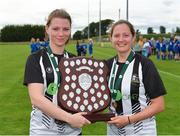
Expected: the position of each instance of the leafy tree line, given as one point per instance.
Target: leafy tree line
(19, 33)
(162, 30)
(93, 29)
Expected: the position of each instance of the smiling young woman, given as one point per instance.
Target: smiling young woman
(42, 78)
(136, 87)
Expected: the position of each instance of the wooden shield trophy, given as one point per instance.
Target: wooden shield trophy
(84, 87)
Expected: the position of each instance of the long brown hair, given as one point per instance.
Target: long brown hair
(58, 13)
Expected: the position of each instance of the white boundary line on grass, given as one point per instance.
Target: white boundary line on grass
(170, 74)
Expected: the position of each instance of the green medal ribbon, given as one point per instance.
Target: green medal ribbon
(116, 95)
(114, 85)
(53, 87)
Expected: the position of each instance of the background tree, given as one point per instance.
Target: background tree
(19, 33)
(178, 30)
(94, 29)
(150, 30)
(105, 24)
(77, 35)
(138, 33)
(162, 29)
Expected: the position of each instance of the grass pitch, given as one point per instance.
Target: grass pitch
(15, 104)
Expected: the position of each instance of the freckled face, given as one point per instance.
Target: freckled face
(59, 31)
(122, 38)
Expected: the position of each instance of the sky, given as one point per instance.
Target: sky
(142, 13)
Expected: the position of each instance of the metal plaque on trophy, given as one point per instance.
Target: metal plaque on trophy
(84, 87)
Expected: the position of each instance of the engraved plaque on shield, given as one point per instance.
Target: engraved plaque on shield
(84, 87)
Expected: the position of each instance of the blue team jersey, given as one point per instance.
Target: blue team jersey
(170, 45)
(83, 48)
(177, 47)
(34, 47)
(163, 47)
(158, 46)
(45, 44)
(90, 48)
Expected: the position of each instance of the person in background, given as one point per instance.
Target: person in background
(146, 48)
(163, 49)
(136, 88)
(141, 42)
(42, 78)
(170, 48)
(153, 43)
(90, 48)
(45, 43)
(150, 47)
(136, 47)
(158, 48)
(33, 45)
(78, 48)
(38, 44)
(83, 48)
(176, 48)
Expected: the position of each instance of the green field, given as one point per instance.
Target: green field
(15, 104)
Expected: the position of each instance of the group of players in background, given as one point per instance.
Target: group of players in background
(36, 44)
(81, 48)
(163, 48)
